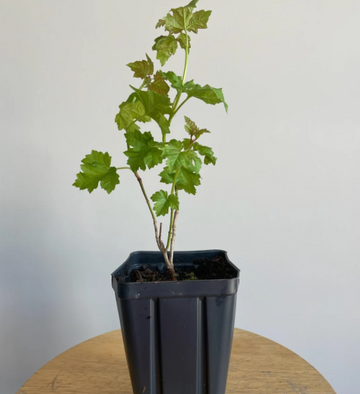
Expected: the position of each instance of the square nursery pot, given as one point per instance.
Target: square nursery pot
(177, 334)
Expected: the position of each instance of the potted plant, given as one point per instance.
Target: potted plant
(176, 308)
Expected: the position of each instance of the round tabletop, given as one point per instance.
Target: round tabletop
(98, 366)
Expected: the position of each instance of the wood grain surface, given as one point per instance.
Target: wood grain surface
(98, 366)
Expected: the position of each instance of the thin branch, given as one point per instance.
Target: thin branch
(173, 238)
(170, 229)
(178, 108)
(173, 191)
(150, 209)
(186, 54)
(159, 242)
(160, 231)
(174, 107)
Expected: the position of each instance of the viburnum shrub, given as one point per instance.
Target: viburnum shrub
(180, 160)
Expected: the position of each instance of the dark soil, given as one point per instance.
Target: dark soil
(215, 268)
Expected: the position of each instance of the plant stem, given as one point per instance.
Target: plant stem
(123, 168)
(149, 206)
(186, 56)
(142, 85)
(173, 191)
(159, 242)
(175, 107)
(173, 238)
(174, 213)
(170, 229)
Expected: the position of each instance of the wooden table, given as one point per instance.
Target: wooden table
(98, 366)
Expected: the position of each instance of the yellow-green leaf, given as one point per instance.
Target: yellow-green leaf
(96, 168)
(163, 202)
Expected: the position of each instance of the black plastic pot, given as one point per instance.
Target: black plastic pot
(177, 335)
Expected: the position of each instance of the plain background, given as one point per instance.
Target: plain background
(283, 199)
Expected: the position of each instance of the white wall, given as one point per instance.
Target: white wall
(283, 199)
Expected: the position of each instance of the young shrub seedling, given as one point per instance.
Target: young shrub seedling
(180, 160)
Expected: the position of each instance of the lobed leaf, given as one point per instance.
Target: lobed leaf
(183, 19)
(208, 94)
(184, 40)
(206, 152)
(142, 68)
(186, 180)
(144, 151)
(159, 84)
(192, 4)
(192, 129)
(109, 180)
(177, 157)
(155, 105)
(175, 23)
(175, 80)
(190, 126)
(96, 169)
(102, 159)
(165, 46)
(160, 23)
(198, 20)
(163, 202)
(129, 113)
(171, 152)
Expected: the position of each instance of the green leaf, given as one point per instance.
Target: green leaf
(172, 152)
(160, 23)
(183, 19)
(165, 47)
(187, 142)
(193, 162)
(175, 80)
(110, 180)
(167, 176)
(206, 152)
(192, 129)
(175, 23)
(192, 4)
(159, 85)
(186, 180)
(183, 40)
(144, 151)
(129, 113)
(102, 159)
(163, 202)
(156, 105)
(173, 201)
(96, 168)
(198, 20)
(142, 68)
(160, 198)
(190, 126)
(207, 94)
(177, 157)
